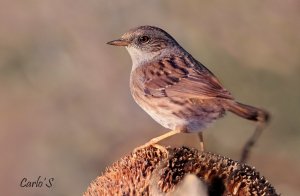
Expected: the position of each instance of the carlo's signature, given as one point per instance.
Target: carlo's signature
(39, 182)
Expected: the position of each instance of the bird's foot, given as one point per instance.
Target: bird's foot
(151, 144)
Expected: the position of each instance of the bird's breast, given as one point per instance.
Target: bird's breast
(172, 112)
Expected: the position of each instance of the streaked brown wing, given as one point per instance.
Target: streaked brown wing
(171, 77)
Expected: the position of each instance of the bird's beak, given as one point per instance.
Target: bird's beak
(119, 42)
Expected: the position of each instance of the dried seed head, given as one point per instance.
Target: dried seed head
(151, 172)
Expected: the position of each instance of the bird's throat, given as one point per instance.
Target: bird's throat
(140, 57)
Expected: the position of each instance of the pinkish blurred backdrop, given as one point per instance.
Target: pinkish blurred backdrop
(65, 107)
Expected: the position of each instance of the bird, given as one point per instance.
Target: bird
(178, 91)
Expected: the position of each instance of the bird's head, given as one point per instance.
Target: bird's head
(144, 43)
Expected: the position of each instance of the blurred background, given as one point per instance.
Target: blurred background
(65, 107)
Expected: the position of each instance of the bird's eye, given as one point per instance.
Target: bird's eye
(144, 39)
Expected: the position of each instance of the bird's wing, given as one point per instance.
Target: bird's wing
(182, 77)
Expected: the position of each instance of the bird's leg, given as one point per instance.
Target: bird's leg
(153, 142)
(252, 140)
(200, 135)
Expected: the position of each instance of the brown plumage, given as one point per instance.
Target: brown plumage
(176, 90)
(189, 93)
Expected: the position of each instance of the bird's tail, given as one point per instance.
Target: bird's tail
(248, 112)
(251, 113)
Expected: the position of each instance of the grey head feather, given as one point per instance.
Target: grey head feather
(148, 43)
